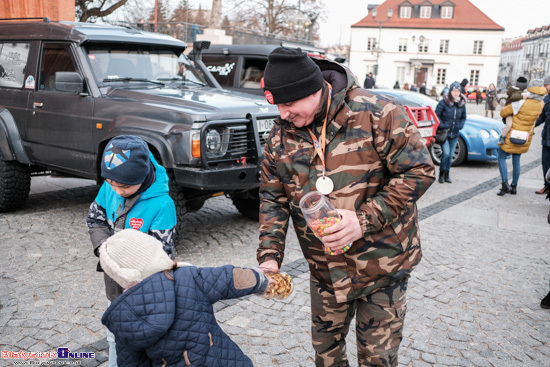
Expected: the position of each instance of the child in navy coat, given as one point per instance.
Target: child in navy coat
(165, 315)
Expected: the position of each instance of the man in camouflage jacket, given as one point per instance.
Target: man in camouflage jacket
(379, 166)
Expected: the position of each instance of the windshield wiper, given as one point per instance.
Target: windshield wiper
(183, 80)
(129, 79)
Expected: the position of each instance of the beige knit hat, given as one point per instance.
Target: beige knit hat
(130, 256)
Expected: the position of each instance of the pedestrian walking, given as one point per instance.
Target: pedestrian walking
(373, 167)
(478, 96)
(134, 195)
(524, 115)
(396, 85)
(451, 111)
(369, 81)
(544, 118)
(491, 100)
(165, 315)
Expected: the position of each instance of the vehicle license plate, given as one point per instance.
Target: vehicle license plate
(426, 132)
(265, 125)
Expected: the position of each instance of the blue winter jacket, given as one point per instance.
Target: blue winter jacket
(452, 116)
(545, 118)
(163, 322)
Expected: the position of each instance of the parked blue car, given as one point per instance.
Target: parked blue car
(478, 139)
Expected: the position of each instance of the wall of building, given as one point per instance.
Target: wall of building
(54, 9)
(458, 62)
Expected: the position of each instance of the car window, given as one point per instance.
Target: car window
(252, 73)
(114, 62)
(13, 60)
(55, 57)
(222, 68)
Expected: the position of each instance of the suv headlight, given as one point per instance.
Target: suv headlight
(213, 141)
(495, 134)
(484, 134)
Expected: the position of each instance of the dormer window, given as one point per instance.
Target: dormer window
(405, 11)
(425, 12)
(447, 12)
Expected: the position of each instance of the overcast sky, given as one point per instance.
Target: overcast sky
(516, 16)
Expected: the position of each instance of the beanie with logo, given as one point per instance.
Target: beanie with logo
(126, 160)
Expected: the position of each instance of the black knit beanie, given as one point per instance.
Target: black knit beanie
(290, 75)
(521, 83)
(126, 160)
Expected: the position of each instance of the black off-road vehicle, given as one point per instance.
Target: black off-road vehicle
(67, 88)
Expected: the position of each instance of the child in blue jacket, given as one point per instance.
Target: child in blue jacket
(165, 316)
(134, 195)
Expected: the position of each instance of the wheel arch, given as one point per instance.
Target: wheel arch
(11, 144)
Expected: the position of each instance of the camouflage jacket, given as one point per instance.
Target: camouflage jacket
(379, 166)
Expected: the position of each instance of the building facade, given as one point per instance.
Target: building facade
(527, 56)
(435, 42)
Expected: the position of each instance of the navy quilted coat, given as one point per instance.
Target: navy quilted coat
(163, 322)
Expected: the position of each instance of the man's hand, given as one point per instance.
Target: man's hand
(269, 265)
(344, 232)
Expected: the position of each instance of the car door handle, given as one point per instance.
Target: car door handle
(38, 104)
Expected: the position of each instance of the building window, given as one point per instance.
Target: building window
(423, 47)
(441, 76)
(444, 47)
(371, 43)
(400, 77)
(447, 12)
(425, 12)
(405, 12)
(478, 47)
(474, 77)
(402, 45)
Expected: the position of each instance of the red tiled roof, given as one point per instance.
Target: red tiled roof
(513, 45)
(466, 16)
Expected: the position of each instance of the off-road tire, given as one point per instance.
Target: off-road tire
(15, 184)
(248, 203)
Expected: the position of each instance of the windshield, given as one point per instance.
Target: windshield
(116, 63)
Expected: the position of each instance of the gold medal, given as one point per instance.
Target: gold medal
(324, 185)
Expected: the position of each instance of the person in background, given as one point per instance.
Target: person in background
(490, 100)
(134, 195)
(406, 86)
(451, 111)
(422, 89)
(332, 136)
(369, 81)
(396, 85)
(463, 85)
(413, 88)
(524, 115)
(544, 118)
(478, 96)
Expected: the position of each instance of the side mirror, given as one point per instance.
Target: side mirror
(69, 81)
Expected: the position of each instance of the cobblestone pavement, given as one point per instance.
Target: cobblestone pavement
(472, 301)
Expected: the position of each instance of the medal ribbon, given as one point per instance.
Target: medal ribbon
(320, 148)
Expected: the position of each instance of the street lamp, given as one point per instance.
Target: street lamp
(299, 23)
(377, 49)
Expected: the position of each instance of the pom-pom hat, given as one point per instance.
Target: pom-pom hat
(126, 160)
(290, 75)
(455, 85)
(129, 256)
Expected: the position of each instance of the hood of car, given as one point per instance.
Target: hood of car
(481, 122)
(211, 102)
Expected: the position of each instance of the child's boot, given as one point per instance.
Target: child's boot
(501, 140)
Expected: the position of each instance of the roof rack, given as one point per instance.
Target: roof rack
(45, 19)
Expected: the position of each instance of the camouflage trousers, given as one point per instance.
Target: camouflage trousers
(379, 321)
